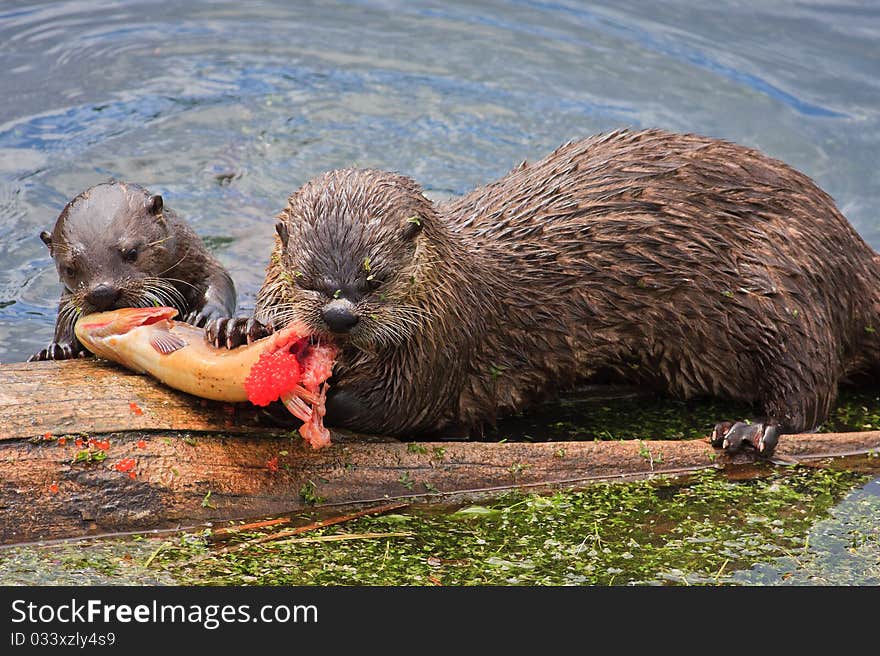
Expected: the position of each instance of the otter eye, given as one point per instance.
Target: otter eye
(69, 271)
(311, 285)
(373, 283)
(130, 254)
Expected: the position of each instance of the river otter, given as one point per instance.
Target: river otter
(117, 245)
(685, 263)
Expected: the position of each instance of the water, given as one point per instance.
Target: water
(227, 107)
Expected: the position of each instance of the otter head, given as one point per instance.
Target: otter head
(352, 249)
(111, 245)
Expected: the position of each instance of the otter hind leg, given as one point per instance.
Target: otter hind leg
(787, 408)
(763, 436)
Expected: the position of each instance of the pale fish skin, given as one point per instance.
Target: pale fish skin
(149, 340)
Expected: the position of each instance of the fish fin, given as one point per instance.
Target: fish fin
(166, 343)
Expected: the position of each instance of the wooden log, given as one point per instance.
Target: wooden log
(94, 396)
(202, 463)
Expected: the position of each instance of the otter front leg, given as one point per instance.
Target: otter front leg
(64, 345)
(217, 302)
(345, 409)
(60, 351)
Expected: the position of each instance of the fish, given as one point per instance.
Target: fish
(288, 365)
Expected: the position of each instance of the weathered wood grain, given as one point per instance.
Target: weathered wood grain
(89, 395)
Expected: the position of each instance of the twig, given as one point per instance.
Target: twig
(229, 531)
(376, 510)
(154, 554)
(346, 536)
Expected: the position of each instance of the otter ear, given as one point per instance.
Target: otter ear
(46, 236)
(155, 204)
(281, 229)
(412, 226)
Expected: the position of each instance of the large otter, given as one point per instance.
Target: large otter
(685, 263)
(117, 245)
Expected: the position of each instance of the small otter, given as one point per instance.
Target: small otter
(689, 264)
(117, 245)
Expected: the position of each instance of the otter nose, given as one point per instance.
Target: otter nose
(103, 296)
(339, 316)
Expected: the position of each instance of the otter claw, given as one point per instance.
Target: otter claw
(233, 335)
(232, 332)
(59, 351)
(733, 436)
(256, 330)
(200, 318)
(769, 440)
(215, 332)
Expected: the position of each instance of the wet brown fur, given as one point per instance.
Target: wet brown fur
(685, 263)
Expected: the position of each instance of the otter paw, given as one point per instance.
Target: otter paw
(230, 332)
(731, 436)
(59, 351)
(200, 318)
(343, 408)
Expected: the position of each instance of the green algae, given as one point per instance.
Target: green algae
(787, 526)
(705, 529)
(842, 549)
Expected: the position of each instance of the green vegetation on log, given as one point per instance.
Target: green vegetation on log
(646, 417)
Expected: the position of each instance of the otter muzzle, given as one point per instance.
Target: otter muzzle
(340, 315)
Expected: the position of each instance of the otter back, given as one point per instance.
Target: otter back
(689, 264)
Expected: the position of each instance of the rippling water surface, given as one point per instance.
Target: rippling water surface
(227, 107)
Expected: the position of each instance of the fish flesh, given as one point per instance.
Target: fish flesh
(288, 365)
